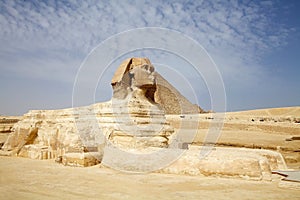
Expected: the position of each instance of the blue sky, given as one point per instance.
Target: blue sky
(255, 45)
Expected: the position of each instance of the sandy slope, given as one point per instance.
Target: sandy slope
(23, 178)
(285, 111)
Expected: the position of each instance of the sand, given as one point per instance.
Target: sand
(23, 178)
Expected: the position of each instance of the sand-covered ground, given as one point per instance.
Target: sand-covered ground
(23, 178)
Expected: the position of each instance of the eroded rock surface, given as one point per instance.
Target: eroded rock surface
(250, 164)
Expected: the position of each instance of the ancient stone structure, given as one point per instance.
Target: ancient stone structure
(139, 73)
(141, 121)
(134, 120)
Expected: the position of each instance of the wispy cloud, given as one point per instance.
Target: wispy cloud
(79, 26)
(40, 38)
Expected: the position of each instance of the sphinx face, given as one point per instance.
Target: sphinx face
(142, 76)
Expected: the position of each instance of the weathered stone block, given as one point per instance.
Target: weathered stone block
(82, 159)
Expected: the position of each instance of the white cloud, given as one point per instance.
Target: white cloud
(40, 38)
(80, 26)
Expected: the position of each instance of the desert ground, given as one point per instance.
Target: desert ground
(23, 178)
(274, 129)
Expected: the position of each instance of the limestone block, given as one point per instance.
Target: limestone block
(36, 152)
(19, 138)
(251, 164)
(81, 159)
(127, 142)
